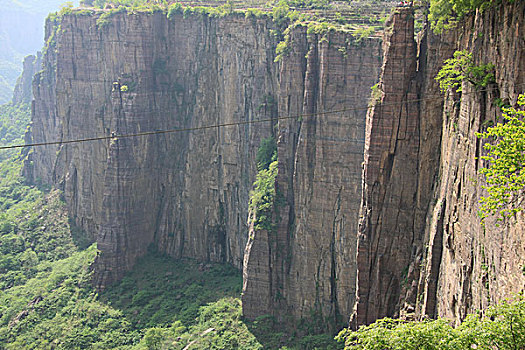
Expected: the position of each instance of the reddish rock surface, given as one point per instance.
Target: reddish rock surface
(186, 193)
(306, 267)
(379, 211)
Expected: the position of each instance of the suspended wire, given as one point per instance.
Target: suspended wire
(215, 126)
(99, 138)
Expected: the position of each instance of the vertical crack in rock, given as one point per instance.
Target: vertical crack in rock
(389, 178)
(337, 228)
(320, 160)
(402, 175)
(468, 267)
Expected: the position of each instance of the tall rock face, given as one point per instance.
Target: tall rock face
(23, 92)
(403, 136)
(421, 247)
(376, 212)
(185, 192)
(468, 266)
(390, 177)
(305, 267)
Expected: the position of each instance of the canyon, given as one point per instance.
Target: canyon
(378, 196)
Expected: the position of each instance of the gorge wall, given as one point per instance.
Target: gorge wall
(305, 267)
(468, 266)
(421, 247)
(377, 211)
(187, 192)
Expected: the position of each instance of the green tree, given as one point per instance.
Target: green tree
(445, 14)
(461, 68)
(263, 197)
(505, 173)
(502, 328)
(267, 153)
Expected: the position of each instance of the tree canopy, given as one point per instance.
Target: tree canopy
(505, 170)
(502, 328)
(445, 14)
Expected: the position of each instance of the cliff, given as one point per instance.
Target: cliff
(468, 266)
(23, 92)
(186, 193)
(376, 211)
(421, 248)
(305, 267)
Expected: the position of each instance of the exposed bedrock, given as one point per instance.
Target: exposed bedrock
(377, 211)
(421, 248)
(305, 267)
(185, 192)
(468, 267)
(390, 176)
(23, 92)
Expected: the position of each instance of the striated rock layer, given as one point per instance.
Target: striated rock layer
(422, 249)
(467, 266)
(390, 177)
(305, 267)
(376, 213)
(185, 192)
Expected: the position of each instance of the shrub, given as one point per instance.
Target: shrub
(174, 9)
(503, 327)
(445, 14)
(461, 68)
(375, 95)
(267, 153)
(263, 196)
(284, 47)
(505, 173)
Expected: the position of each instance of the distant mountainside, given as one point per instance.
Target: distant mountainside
(21, 34)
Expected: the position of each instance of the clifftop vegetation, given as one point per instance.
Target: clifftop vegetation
(446, 14)
(354, 16)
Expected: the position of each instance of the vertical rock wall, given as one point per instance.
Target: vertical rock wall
(387, 235)
(23, 92)
(305, 267)
(422, 249)
(378, 220)
(467, 266)
(185, 192)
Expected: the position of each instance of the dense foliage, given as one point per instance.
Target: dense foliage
(505, 170)
(267, 153)
(13, 123)
(445, 14)
(33, 225)
(58, 309)
(264, 195)
(461, 68)
(47, 300)
(502, 328)
(218, 326)
(175, 293)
